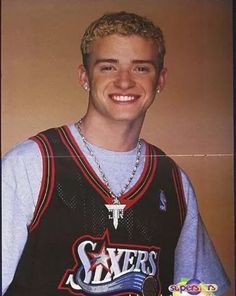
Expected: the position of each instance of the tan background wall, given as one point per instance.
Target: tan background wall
(191, 119)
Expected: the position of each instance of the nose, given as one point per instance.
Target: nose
(124, 80)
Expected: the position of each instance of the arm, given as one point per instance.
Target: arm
(21, 180)
(195, 255)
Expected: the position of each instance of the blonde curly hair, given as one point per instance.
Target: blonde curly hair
(126, 24)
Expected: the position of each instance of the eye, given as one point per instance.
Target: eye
(107, 68)
(142, 69)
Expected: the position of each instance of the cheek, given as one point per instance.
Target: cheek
(148, 83)
(154, 82)
(102, 86)
(150, 87)
(99, 82)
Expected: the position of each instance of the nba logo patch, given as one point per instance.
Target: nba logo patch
(163, 201)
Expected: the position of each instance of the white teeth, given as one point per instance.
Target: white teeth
(123, 98)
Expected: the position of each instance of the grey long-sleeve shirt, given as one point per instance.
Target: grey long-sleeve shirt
(195, 255)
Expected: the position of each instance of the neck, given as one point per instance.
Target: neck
(110, 134)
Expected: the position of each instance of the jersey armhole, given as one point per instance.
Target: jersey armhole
(178, 183)
(47, 181)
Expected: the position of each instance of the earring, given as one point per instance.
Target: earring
(158, 91)
(86, 87)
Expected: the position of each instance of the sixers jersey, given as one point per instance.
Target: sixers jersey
(73, 247)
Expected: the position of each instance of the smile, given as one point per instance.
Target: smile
(122, 98)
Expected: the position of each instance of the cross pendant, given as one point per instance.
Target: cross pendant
(117, 210)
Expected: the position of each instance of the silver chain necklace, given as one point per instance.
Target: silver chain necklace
(116, 209)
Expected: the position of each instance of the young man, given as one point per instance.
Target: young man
(92, 209)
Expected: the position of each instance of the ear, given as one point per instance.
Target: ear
(83, 77)
(162, 79)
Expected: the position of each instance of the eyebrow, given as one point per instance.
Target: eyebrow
(112, 61)
(144, 62)
(115, 61)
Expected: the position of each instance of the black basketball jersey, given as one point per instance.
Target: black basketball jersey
(73, 247)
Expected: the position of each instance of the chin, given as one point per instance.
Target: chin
(127, 117)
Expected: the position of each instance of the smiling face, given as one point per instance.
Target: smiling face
(123, 77)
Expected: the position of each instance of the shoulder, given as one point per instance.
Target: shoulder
(165, 162)
(156, 150)
(168, 161)
(51, 135)
(23, 156)
(20, 162)
(23, 150)
(27, 150)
